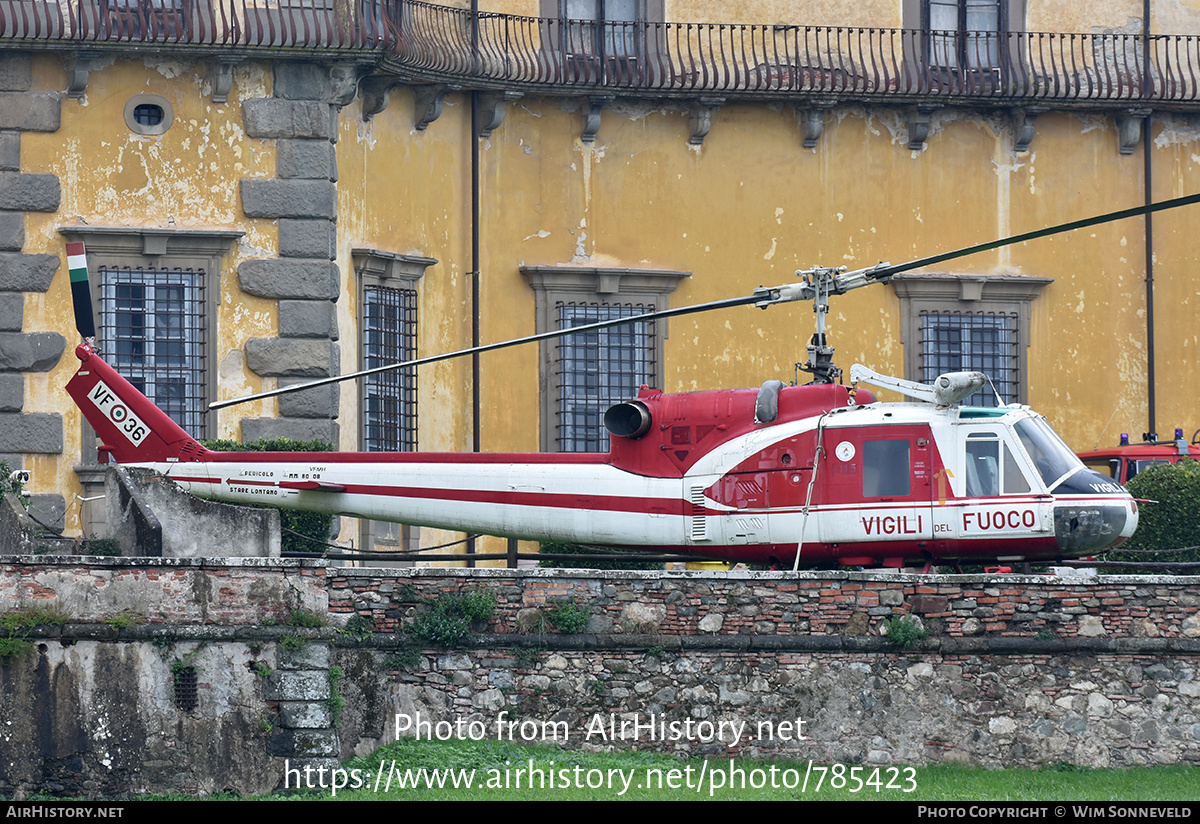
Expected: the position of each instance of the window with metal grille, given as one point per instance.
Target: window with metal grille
(965, 342)
(594, 370)
(389, 398)
(152, 331)
(187, 686)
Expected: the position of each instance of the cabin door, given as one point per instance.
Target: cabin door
(875, 484)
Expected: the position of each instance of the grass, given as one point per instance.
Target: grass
(498, 763)
(124, 619)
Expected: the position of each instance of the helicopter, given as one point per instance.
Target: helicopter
(818, 475)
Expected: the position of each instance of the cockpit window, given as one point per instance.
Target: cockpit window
(1015, 482)
(1053, 459)
(991, 468)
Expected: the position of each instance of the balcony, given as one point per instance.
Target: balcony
(202, 25)
(434, 43)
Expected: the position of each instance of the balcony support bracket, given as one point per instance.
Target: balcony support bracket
(343, 81)
(223, 78)
(79, 64)
(812, 120)
(1129, 129)
(591, 116)
(491, 110)
(701, 119)
(1023, 120)
(428, 104)
(918, 127)
(374, 91)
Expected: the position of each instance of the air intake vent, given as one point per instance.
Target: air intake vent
(699, 531)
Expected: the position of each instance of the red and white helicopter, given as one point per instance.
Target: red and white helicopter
(817, 475)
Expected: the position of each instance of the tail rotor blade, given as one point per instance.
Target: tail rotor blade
(81, 292)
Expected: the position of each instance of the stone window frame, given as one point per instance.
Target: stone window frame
(567, 284)
(156, 248)
(391, 270)
(151, 100)
(958, 293)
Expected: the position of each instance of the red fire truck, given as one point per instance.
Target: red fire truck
(1125, 461)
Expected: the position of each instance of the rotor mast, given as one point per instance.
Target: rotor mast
(817, 284)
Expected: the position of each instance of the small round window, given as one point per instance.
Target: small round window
(148, 114)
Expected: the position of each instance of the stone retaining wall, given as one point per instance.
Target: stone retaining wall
(1015, 670)
(812, 604)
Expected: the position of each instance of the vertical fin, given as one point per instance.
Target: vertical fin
(131, 427)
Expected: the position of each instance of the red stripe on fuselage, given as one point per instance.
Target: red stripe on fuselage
(306, 458)
(550, 500)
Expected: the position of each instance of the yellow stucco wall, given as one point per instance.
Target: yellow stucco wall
(750, 206)
(187, 178)
(408, 191)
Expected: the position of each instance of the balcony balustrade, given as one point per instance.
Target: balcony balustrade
(490, 50)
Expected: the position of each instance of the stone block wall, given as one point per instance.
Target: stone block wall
(25, 353)
(301, 118)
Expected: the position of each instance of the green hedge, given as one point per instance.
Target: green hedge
(313, 527)
(1173, 521)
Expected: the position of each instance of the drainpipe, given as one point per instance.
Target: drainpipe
(475, 405)
(1147, 180)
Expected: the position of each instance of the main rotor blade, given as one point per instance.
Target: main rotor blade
(762, 297)
(489, 347)
(888, 270)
